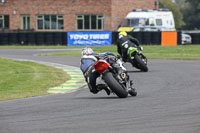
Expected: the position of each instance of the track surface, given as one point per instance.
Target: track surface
(168, 102)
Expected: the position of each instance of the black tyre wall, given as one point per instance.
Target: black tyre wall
(3, 38)
(13, 38)
(31, 38)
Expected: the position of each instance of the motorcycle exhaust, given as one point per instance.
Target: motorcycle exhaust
(123, 75)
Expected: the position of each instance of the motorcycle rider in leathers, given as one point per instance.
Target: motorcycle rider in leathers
(87, 61)
(87, 67)
(125, 41)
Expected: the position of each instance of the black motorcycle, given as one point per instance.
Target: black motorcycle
(115, 76)
(137, 59)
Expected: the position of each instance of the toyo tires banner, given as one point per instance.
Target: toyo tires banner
(89, 38)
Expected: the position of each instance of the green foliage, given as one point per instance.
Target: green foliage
(178, 17)
(192, 14)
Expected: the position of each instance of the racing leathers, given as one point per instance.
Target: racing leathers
(123, 43)
(87, 67)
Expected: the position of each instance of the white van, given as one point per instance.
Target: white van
(148, 20)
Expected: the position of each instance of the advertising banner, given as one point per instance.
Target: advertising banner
(89, 38)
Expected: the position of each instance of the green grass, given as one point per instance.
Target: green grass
(27, 79)
(180, 52)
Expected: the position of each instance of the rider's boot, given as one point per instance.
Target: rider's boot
(132, 90)
(103, 87)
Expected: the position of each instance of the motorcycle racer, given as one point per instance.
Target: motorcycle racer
(125, 41)
(88, 60)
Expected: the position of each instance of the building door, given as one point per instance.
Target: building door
(25, 22)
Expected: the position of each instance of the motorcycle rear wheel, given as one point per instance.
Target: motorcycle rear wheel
(114, 85)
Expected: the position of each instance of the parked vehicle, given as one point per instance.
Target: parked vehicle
(186, 39)
(148, 20)
(151, 20)
(115, 76)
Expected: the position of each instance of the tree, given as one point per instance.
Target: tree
(192, 14)
(178, 16)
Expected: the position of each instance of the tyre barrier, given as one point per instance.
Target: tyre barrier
(57, 38)
(31, 38)
(195, 38)
(39, 38)
(13, 39)
(22, 38)
(64, 38)
(137, 35)
(146, 37)
(179, 38)
(3, 38)
(156, 38)
(60, 38)
(49, 38)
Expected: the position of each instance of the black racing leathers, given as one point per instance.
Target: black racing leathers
(124, 42)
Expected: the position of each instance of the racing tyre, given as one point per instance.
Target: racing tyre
(114, 85)
(140, 64)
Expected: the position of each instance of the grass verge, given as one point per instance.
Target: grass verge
(180, 52)
(20, 79)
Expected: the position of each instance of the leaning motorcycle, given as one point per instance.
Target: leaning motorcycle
(137, 59)
(115, 76)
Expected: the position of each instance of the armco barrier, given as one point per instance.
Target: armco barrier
(60, 38)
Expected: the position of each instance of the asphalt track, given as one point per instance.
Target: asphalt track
(168, 101)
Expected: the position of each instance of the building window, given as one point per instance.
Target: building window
(4, 21)
(159, 22)
(89, 22)
(25, 22)
(50, 22)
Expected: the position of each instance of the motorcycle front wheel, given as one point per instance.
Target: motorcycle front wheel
(139, 63)
(114, 85)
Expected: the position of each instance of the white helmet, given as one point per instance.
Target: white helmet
(87, 51)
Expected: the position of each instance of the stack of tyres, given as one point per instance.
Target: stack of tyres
(195, 38)
(3, 38)
(13, 38)
(57, 38)
(114, 37)
(137, 35)
(49, 39)
(39, 38)
(64, 38)
(179, 37)
(146, 37)
(31, 38)
(22, 38)
(156, 38)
